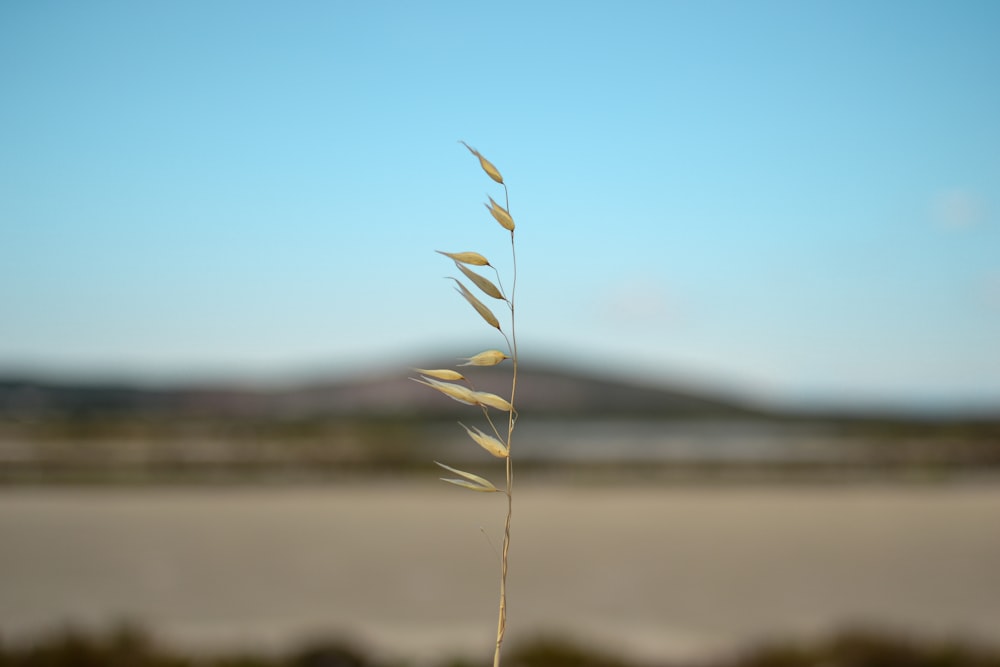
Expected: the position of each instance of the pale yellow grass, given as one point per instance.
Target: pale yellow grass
(444, 380)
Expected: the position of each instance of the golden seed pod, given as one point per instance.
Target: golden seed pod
(487, 442)
(487, 358)
(483, 311)
(491, 400)
(473, 258)
(487, 166)
(475, 482)
(501, 215)
(441, 374)
(453, 391)
(485, 285)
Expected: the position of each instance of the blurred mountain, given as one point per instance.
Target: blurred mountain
(540, 391)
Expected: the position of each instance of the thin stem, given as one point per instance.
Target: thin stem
(502, 622)
(489, 420)
(511, 420)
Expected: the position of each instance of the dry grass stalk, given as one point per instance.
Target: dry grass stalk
(495, 441)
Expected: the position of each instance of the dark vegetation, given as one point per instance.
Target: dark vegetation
(129, 647)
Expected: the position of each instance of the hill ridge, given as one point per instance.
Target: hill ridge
(546, 389)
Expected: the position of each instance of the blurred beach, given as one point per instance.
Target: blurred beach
(409, 568)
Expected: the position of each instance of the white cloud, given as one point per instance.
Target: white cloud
(638, 300)
(959, 208)
(989, 289)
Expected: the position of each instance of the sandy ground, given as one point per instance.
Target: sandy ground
(410, 568)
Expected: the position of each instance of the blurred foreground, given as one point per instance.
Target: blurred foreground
(652, 572)
(660, 526)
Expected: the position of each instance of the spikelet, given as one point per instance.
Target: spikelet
(441, 374)
(453, 391)
(485, 285)
(487, 442)
(487, 166)
(483, 311)
(487, 358)
(501, 215)
(473, 258)
(475, 482)
(491, 400)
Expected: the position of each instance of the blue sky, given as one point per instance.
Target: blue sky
(796, 200)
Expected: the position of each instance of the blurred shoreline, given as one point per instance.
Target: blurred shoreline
(573, 427)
